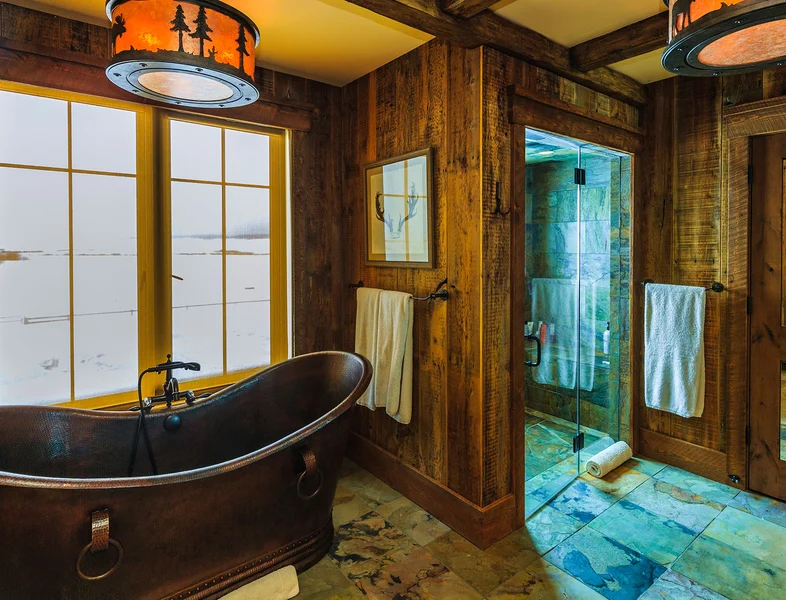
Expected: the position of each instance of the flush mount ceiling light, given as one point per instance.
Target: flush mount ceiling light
(718, 37)
(190, 52)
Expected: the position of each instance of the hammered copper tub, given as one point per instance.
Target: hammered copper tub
(246, 486)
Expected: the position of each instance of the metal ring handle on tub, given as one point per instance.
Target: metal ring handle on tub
(311, 468)
(99, 542)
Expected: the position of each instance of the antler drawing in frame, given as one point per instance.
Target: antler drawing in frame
(411, 211)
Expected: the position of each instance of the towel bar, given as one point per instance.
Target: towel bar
(438, 294)
(716, 286)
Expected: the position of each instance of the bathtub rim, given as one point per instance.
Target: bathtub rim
(9, 479)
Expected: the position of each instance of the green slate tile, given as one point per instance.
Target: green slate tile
(545, 529)
(543, 581)
(764, 507)
(656, 537)
(756, 537)
(608, 567)
(369, 488)
(673, 586)
(691, 510)
(645, 465)
(581, 501)
(731, 572)
(696, 484)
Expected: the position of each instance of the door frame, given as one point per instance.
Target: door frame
(529, 110)
(740, 124)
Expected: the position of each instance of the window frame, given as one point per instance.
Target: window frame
(279, 330)
(154, 258)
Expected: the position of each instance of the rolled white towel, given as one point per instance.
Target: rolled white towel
(609, 459)
(279, 585)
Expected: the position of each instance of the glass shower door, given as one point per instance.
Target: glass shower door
(553, 308)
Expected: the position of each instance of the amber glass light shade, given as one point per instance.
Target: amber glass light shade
(192, 53)
(717, 37)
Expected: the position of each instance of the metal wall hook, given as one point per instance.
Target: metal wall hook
(498, 210)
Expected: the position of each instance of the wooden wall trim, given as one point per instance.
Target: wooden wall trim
(546, 115)
(526, 92)
(691, 457)
(755, 118)
(480, 525)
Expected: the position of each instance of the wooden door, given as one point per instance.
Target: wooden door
(768, 317)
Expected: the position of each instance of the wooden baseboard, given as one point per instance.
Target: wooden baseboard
(690, 457)
(480, 525)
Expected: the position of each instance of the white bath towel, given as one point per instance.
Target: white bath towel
(366, 336)
(605, 461)
(554, 304)
(674, 349)
(278, 585)
(384, 336)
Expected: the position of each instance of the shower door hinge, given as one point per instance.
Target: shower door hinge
(578, 442)
(579, 176)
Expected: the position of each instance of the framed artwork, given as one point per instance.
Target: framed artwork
(399, 211)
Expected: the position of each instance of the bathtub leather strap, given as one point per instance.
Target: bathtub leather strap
(310, 461)
(100, 531)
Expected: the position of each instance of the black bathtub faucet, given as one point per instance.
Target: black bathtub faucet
(172, 391)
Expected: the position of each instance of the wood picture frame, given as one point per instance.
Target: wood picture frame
(399, 217)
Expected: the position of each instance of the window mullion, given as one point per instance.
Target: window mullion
(72, 360)
(224, 243)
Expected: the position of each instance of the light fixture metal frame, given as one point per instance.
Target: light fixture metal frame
(126, 67)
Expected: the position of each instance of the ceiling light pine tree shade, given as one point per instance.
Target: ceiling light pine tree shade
(193, 53)
(718, 37)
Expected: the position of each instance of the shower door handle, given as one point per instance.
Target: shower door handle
(535, 339)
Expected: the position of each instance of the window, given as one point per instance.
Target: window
(105, 270)
(226, 291)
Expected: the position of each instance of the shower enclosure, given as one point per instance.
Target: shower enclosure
(577, 308)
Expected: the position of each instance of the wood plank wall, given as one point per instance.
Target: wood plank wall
(455, 101)
(428, 98)
(41, 49)
(681, 235)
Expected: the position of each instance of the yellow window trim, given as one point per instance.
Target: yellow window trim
(154, 285)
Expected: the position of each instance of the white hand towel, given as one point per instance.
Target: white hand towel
(278, 585)
(393, 369)
(366, 336)
(674, 349)
(607, 460)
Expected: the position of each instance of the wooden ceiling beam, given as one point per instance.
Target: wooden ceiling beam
(489, 29)
(466, 8)
(633, 40)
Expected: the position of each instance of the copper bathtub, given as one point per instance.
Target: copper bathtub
(246, 486)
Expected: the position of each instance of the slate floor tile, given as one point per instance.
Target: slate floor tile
(756, 537)
(547, 528)
(656, 537)
(696, 484)
(413, 520)
(731, 572)
(608, 567)
(486, 569)
(691, 510)
(583, 502)
(673, 586)
(543, 581)
(764, 507)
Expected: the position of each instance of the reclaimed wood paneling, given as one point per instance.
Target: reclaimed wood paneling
(396, 109)
(691, 232)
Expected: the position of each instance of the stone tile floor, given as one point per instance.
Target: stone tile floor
(648, 531)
